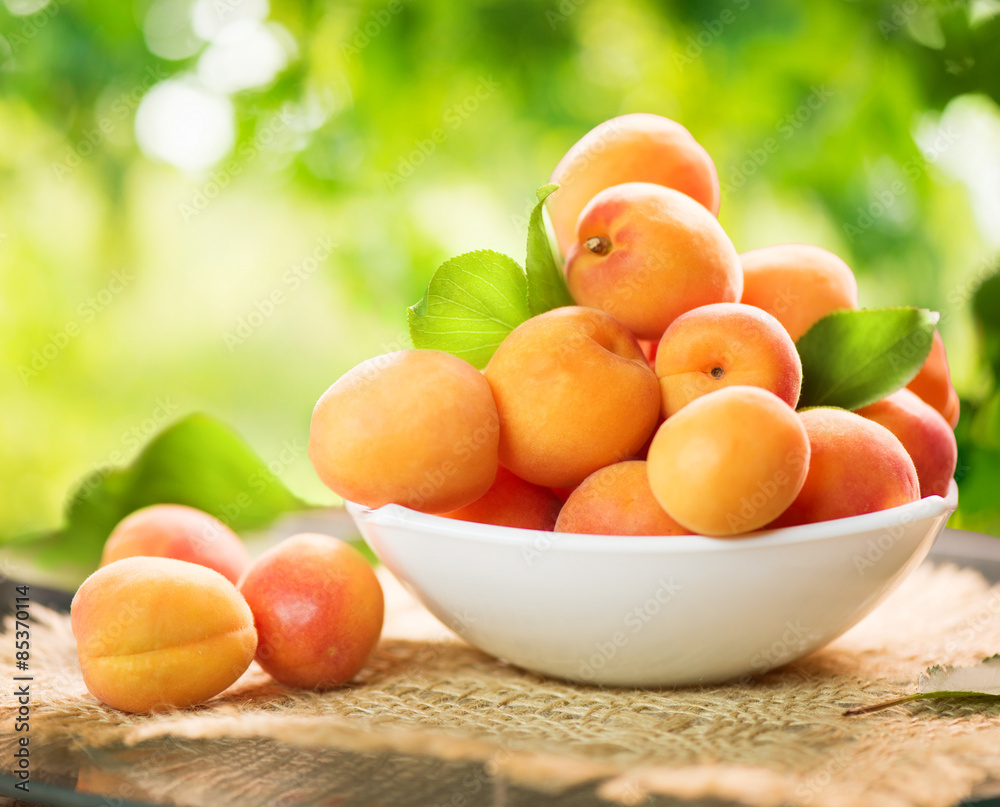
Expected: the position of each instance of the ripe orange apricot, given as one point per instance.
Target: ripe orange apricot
(616, 500)
(646, 254)
(649, 347)
(179, 532)
(797, 284)
(564, 493)
(721, 345)
(933, 382)
(574, 393)
(639, 147)
(158, 633)
(318, 607)
(512, 502)
(924, 433)
(729, 462)
(952, 410)
(415, 427)
(856, 466)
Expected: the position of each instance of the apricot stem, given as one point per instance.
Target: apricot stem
(878, 707)
(718, 372)
(598, 245)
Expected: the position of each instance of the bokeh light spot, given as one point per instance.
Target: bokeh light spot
(168, 32)
(22, 8)
(211, 17)
(185, 125)
(245, 54)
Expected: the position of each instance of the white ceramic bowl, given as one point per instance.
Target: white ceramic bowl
(648, 611)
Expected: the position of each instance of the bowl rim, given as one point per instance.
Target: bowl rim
(395, 515)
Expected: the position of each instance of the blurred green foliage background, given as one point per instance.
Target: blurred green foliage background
(221, 205)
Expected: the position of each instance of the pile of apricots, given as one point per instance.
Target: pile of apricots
(663, 402)
(177, 611)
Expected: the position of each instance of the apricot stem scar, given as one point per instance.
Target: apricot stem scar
(718, 372)
(598, 245)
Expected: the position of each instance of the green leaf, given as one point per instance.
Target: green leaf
(979, 682)
(546, 284)
(472, 302)
(198, 461)
(853, 358)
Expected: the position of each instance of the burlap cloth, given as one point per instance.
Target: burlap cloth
(778, 739)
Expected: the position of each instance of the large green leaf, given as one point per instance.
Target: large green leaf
(853, 358)
(472, 303)
(198, 461)
(546, 283)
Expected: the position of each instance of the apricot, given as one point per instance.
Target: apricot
(729, 462)
(797, 284)
(721, 345)
(415, 427)
(924, 433)
(159, 633)
(616, 500)
(933, 382)
(643, 451)
(646, 254)
(512, 502)
(649, 347)
(856, 466)
(952, 410)
(318, 607)
(564, 493)
(179, 532)
(640, 147)
(574, 393)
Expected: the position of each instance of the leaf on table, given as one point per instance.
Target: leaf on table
(853, 358)
(546, 283)
(980, 679)
(472, 303)
(198, 461)
(979, 682)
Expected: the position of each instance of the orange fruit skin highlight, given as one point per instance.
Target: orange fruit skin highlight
(797, 284)
(512, 502)
(318, 607)
(659, 254)
(574, 393)
(640, 147)
(721, 345)
(933, 382)
(157, 633)
(729, 462)
(924, 433)
(616, 500)
(415, 427)
(179, 532)
(857, 466)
